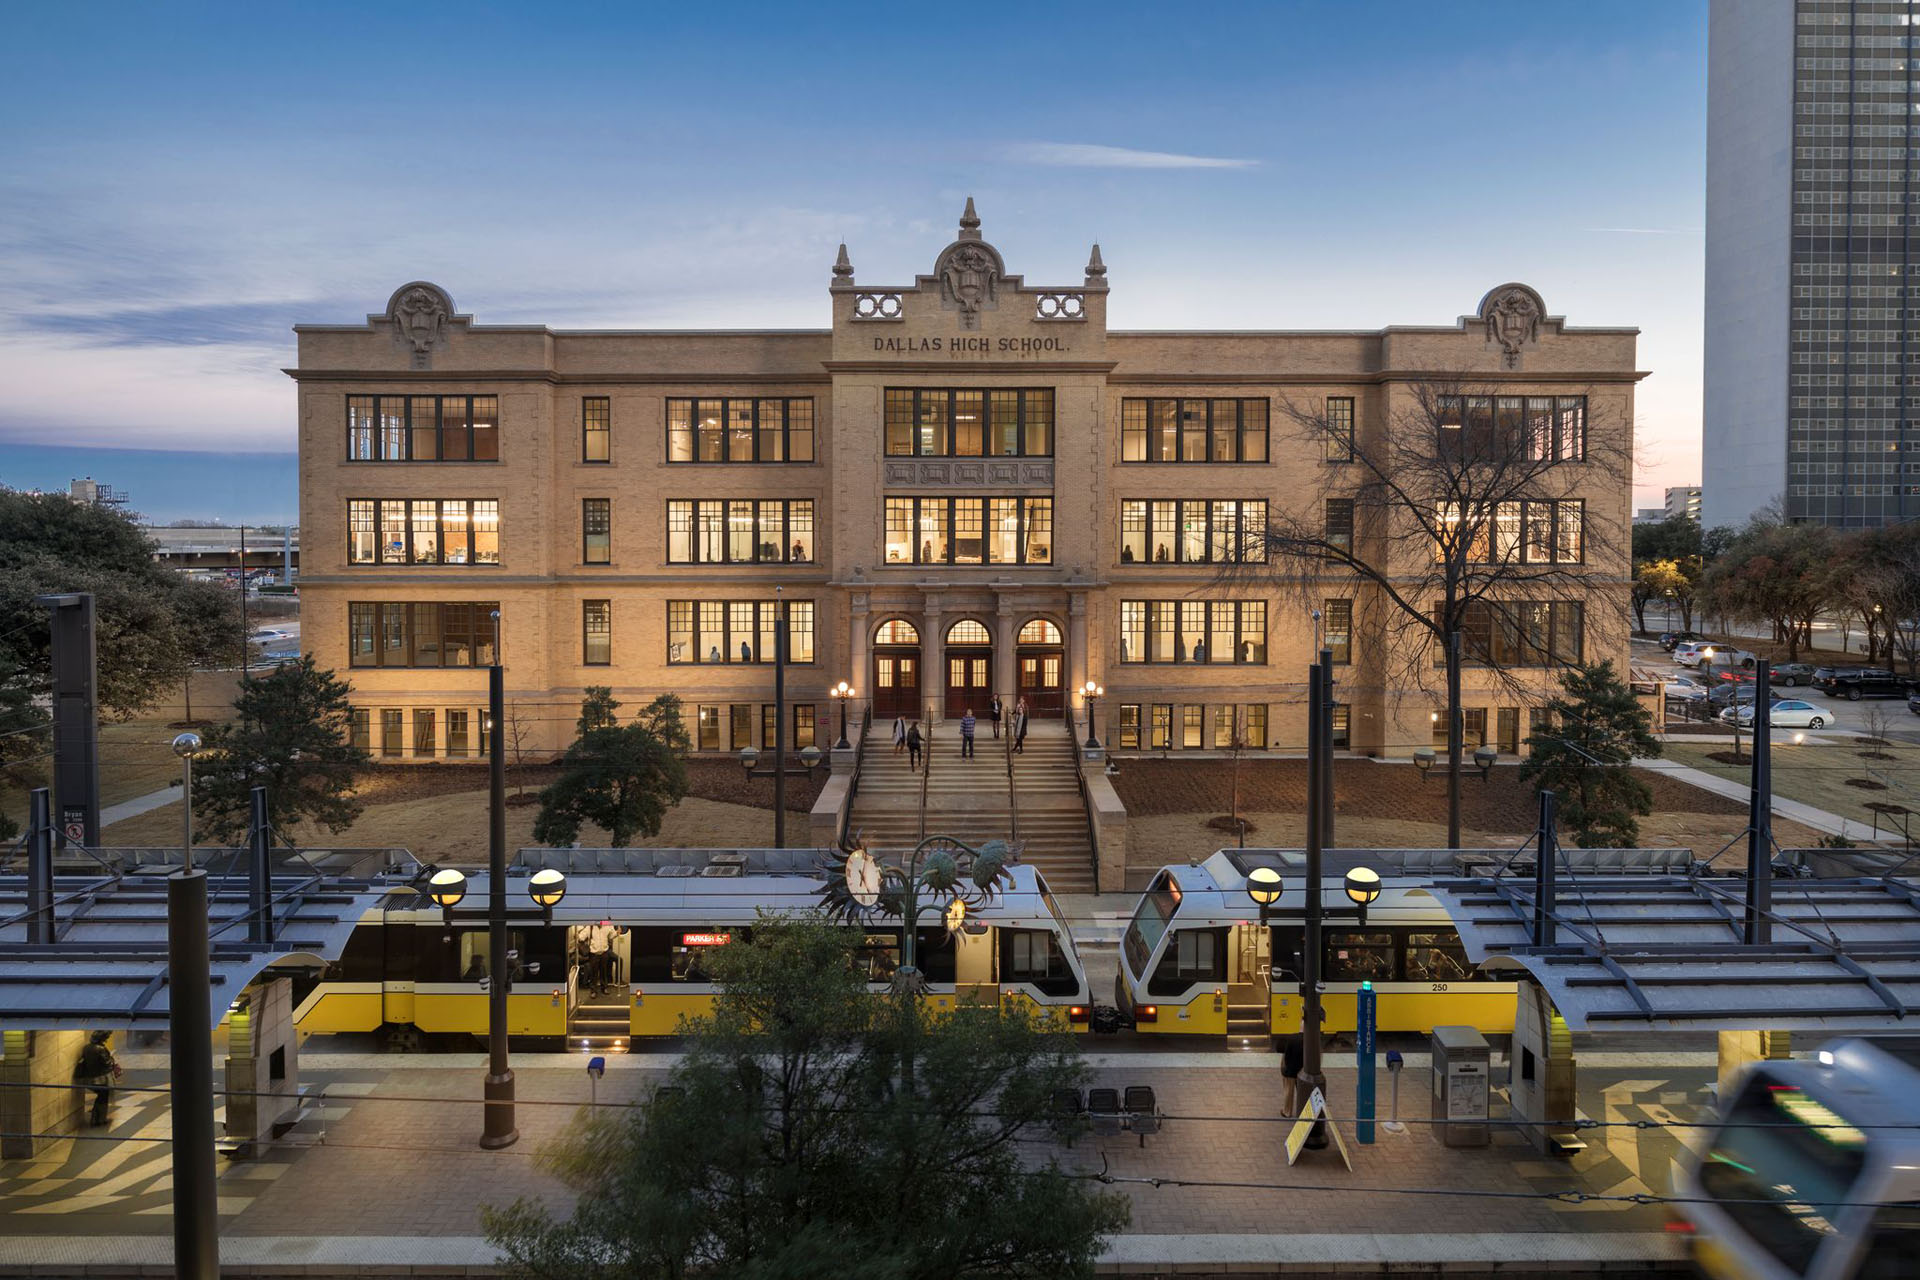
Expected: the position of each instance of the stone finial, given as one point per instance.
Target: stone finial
(969, 222)
(843, 267)
(1096, 269)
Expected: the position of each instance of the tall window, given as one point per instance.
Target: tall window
(739, 530)
(423, 531)
(1339, 428)
(721, 430)
(1214, 632)
(596, 626)
(596, 531)
(423, 732)
(1542, 428)
(423, 428)
(1193, 430)
(969, 530)
(1339, 524)
(1193, 531)
(422, 634)
(1522, 633)
(596, 429)
(940, 422)
(735, 631)
(1338, 617)
(1545, 532)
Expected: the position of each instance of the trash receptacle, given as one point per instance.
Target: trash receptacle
(1460, 1063)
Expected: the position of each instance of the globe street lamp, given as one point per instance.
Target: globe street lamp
(1092, 693)
(1264, 886)
(841, 693)
(187, 746)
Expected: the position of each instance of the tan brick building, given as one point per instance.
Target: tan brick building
(966, 485)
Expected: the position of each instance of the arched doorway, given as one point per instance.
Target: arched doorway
(969, 668)
(1040, 658)
(896, 670)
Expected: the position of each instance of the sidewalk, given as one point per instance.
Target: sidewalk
(1805, 814)
(394, 1177)
(138, 805)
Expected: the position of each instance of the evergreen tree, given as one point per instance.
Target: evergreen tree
(621, 778)
(1598, 728)
(207, 616)
(292, 735)
(25, 737)
(796, 1149)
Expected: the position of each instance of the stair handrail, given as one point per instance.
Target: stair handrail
(926, 771)
(1086, 801)
(1013, 795)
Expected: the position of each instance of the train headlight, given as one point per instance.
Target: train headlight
(1264, 885)
(1363, 886)
(447, 887)
(547, 887)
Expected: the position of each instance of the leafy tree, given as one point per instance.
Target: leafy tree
(621, 778)
(49, 545)
(1675, 538)
(25, 736)
(1665, 580)
(1449, 522)
(1774, 573)
(1599, 727)
(797, 1150)
(292, 735)
(207, 617)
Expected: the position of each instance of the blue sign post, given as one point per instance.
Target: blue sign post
(1363, 1095)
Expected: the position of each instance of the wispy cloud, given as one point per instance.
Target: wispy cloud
(197, 325)
(1088, 155)
(1651, 231)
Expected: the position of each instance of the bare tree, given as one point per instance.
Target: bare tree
(1458, 525)
(517, 732)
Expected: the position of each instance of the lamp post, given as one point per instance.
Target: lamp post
(810, 759)
(842, 693)
(1092, 692)
(196, 1240)
(498, 1129)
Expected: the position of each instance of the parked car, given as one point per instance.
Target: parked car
(1685, 689)
(1913, 702)
(1687, 652)
(1729, 692)
(1790, 674)
(1855, 683)
(1668, 639)
(1726, 655)
(1789, 713)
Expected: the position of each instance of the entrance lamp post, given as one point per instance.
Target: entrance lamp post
(842, 693)
(1093, 693)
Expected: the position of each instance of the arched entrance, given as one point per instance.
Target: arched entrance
(896, 670)
(969, 668)
(1040, 659)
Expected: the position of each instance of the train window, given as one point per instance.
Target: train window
(879, 956)
(1149, 924)
(1359, 957)
(1193, 955)
(1894, 1238)
(1436, 957)
(1778, 1180)
(1034, 956)
(364, 957)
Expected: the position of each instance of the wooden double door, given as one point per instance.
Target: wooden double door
(896, 684)
(1040, 680)
(969, 680)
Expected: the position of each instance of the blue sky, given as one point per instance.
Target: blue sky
(179, 184)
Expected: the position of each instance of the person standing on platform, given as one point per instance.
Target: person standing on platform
(1293, 1057)
(913, 747)
(993, 713)
(97, 1071)
(600, 954)
(967, 725)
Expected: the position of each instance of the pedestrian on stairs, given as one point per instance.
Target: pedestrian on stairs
(913, 747)
(899, 734)
(967, 723)
(1020, 728)
(993, 712)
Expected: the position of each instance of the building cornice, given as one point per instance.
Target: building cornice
(554, 377)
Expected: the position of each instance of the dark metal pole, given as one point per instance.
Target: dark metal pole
(1325, 724)
(1311, 1076)
(259, 873)
(498, 1128)
(1546, 863)
(1456, 730)
(1759, 928)
(245, 656)
(779, 718)
(196, 1238)
(39, 866)
(76, 719)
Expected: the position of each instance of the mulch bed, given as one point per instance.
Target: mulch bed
(1365, 789)
(708, 779)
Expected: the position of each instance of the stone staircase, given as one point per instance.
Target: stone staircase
(967, 799)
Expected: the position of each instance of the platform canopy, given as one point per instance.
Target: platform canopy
(1667, 952)
(107, 965)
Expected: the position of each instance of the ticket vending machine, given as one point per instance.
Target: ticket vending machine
(1460, 1086)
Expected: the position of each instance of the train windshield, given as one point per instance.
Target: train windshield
(1046, 896)
(1149, 924)
(1782, 1166)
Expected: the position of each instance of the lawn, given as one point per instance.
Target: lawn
(1824, 774)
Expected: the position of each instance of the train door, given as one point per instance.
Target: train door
(1249, 982)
